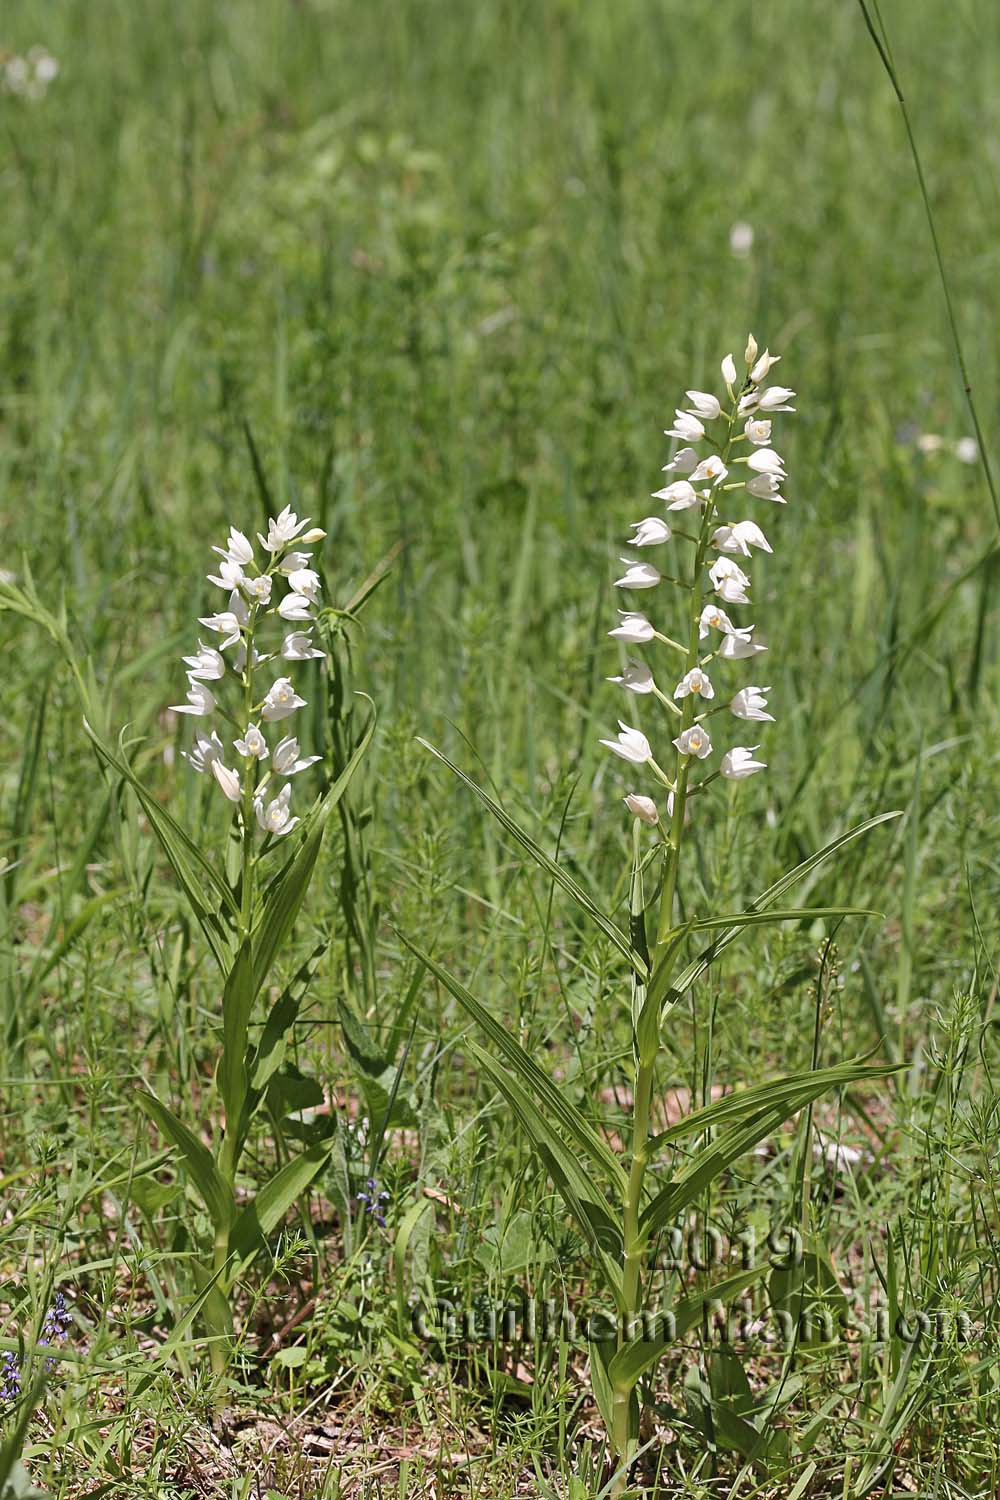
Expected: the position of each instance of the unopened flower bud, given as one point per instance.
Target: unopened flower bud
(643, 808)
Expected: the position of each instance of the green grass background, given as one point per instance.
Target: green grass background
(453, 265)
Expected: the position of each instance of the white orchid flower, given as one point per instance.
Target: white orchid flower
(208, 666)
(686, 427)
(649, 532)
(738, 763)
(276, 817)
(775, 398)
(253, 743)
(706, 406)
(766, 461)
(711, 469)
(683, 461)
(634, 628)
(681, 495)
(200, 701)
(636, 677)
(638, 575)
(729, 581)
(298, 646)
(750, 703)
(758, 430)
(695, 682)
(285, 760)
(282, 530)
(295, 607)
(631, 744)
(228, 780)
(203, 752)
(740, 538)
(642, 807)
(694, 741)
(281, 701)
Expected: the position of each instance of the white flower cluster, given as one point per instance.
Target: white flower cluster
(28, 76)
(252, 597)
(701, 484)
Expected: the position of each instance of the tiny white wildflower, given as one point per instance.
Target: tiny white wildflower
(711, 468)
(649, 532)
(200, 701)
(750, 703)
(686, 427)
(636, 677)
(683, 461)
(634, 628)
(638, 575)
(766, 461)
(739, 646)
(729, 581)
(758, 430)
(253, 743)
(706, 406)
(738, 763)
(694, 741)
(298, 646)
(643, 808)
(679, 496)
(285, 760)
(631, 744)
(276, 817)
(203, 752)
(228, 780)
(695, 682)
(281, 701)
(740, 538)
(295, 607)
(207, 666)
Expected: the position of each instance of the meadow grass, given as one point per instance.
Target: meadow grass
(434, 274)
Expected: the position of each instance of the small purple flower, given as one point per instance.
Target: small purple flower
(374, 1201)
(10, 1377)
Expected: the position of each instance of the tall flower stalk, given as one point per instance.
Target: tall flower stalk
(708, 491)
(622, 1200)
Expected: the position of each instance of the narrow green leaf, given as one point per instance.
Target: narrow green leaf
(784, 914)
(633, 1360)
(556, 1104)
(237, 1003)
(549, 865)
(284, 897)
(261, 1217)
(216, 1194)
(583, 1198)
(717, 1155)
(661, 988)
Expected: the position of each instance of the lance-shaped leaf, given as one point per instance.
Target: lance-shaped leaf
(283, 898)
(583, 1198)
(661, 988)
(549, 865)
(553, 1099)
(237, 1003)
(261, 1217)
(764, 1112)
(216, 1194)
(633, 1360)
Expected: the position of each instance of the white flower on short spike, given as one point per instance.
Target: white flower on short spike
(292, 561)
(642, 807)
(775, 398)
(285, 760)
(740, 538)
(227, 623)
(686, 427)
(200, 701)
(706, 406)
(208, 666)
(649, 532)
(281, 701)
(636, 677)
(253, 743)
(728, 368)
(750, 703)
(204, 752)
(228, 780)
(282, 530)
(758, 430)
(762, 365)
(639, 575)
(679, 496)
(295, 607)
(729, 581)
(631, 744)
(694, 741)
(694, 682)
(305, 581)
(765, 487)
(683, 461)
(711, 469)
(238, 548)
(714, 618)
(298, 646)
(738, 646)
(259, 589)
(634, 628)
(230, 575)
(738, 763)
(276, 817)
(766, 461)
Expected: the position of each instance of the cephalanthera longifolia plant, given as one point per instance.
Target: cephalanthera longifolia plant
(247, 903)
(246, 896)
(622, 1201)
